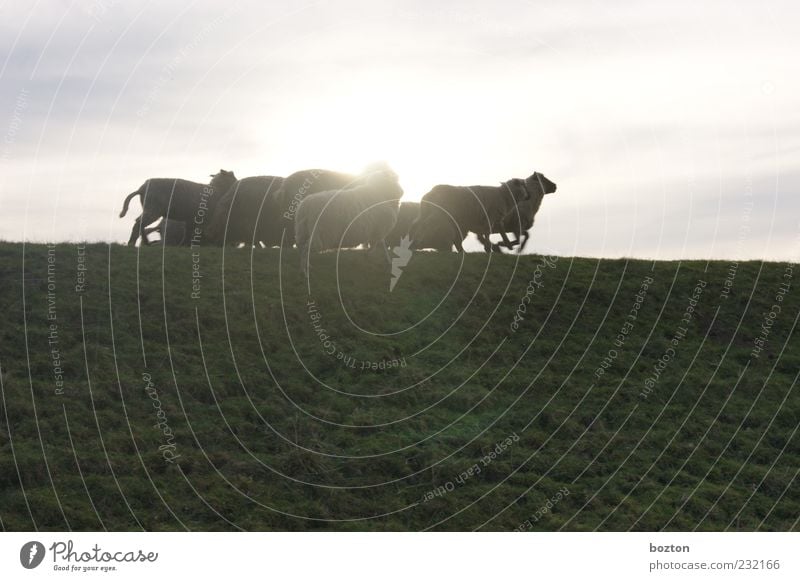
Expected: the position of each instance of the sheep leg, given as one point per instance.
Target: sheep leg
(305, 257)
(496, 247)
(140, 228)
(147, 219)
(506, 242)
(525, 236)
(136, 231)
(288, 239)
(386, 252)
(487, 243)
(152, 229)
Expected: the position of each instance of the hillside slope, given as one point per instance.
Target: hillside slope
(172, 390)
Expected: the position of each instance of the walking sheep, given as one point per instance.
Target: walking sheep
(347, 218)
(177, 199)
(449, 212)
(248, 213)
(520, 220)
(301, 184)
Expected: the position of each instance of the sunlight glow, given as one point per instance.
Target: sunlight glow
(423, 138)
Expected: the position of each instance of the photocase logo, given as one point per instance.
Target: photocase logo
(31, 554)
(402, 256)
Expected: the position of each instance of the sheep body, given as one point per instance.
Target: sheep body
(300, 184)
(249, 213)
(448, 212)
(520, 219)
(364, 214)
(182, 200)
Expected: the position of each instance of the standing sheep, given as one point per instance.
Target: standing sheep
(447, 212)
(520, 220)
(176, 199)
(347, 218)
(248, 213)
(301, 184)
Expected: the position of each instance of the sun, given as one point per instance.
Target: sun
(424, 143)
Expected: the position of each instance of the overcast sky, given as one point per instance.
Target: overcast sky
(672, 129)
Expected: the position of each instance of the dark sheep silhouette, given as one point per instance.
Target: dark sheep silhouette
(520, 220)
(448, 213)
(249, 213)
(180, 200)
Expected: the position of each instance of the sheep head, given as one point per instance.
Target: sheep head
(539, 185)
(222, 180)
(383, 180)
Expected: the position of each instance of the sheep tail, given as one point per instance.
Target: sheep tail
(128, 201)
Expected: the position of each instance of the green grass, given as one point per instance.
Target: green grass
(272, 433)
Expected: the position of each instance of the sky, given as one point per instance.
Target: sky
(671, 129)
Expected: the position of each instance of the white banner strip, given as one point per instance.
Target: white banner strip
(399, 556)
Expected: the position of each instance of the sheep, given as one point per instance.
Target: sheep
(364, 214)
(447, 212)
(177, 199)
(172, 233)
(248, 213)
(405, 217)
(520, 219)
(301, 184)
(437, 230)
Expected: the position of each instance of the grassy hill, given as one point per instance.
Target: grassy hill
(168, 391)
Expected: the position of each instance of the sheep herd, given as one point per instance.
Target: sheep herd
(321, 210)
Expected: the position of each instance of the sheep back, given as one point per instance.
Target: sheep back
(248, 212)
(178, 199)
(304, 183)
(448, 213)
(347, 218)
